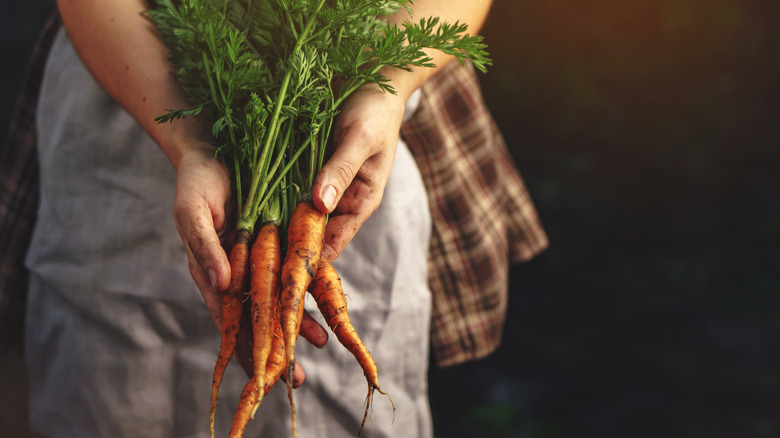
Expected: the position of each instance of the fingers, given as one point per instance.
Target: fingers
(207, 260)
(312, 331)
(298, 375)
(339, 232)
(210, 297)
(365, 136)
(198, 232)
(202, 191)
(351, 183)
(341, 169)
(351, 190)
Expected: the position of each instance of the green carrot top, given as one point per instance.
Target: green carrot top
(261, 74)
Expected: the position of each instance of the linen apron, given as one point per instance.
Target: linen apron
(118, 340)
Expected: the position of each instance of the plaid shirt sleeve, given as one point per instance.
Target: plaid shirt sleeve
(483, 217)
(19, 196)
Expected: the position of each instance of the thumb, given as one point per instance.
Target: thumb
(336, 175)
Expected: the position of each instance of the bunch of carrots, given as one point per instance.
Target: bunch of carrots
(276, 293)
(268, 76)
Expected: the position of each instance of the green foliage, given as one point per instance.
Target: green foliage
(260, 73)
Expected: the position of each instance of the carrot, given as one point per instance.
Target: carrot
(329, 295)
(275, 364)
(304, 246)
(250, 396)
(232, 299)
(264, 292)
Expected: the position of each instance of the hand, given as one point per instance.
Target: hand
(351, 184)
(203, 195)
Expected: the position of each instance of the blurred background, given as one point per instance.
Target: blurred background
(647, 133)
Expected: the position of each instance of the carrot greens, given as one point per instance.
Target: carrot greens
(261, 74)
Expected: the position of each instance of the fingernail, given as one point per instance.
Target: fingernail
(213, 278)
(329, 197)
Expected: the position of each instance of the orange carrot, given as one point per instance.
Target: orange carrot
(250, 396)
(232, 299)
(329, 295)
(304, 246)
(275, 364)
(243, 413)
(264, 292)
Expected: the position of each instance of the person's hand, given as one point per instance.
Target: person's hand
(203, 196)
(199, 209)
(351, 183)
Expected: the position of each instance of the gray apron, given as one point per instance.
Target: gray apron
(118, 340)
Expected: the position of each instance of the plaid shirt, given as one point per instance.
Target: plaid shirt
(19, 196)
(483, 218)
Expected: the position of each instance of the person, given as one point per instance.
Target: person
(117, 342)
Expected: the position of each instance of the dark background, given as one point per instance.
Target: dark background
(647, 133)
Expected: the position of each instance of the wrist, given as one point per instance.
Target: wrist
(183, 137)
(406, 82)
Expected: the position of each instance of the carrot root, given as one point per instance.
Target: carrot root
(251, 396)
(232, 299)
(248, 400)
(304, 246)
(265, 263)
(329, 295)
